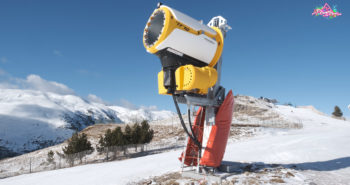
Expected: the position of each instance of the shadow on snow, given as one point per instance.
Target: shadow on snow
(330, 165)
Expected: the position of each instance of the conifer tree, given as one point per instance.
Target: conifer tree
(111, 140)
(136, 134)
(118, 136)
(50, 155)
(146, 132)
(78, 147)
(77, 143)
(337, 112)
(128, 135)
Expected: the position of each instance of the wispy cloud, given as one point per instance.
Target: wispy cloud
(127, 104)
(32, 82)
(57, 52)
(2, 72)
(37, 83)
(96, 99)
(4, 60)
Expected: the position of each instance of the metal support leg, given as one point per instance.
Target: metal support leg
(184, 155)
(198, 159)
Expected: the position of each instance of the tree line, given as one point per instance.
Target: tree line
(135, 134)
(79, 145)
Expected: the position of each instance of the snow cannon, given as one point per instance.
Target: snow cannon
(179, 40)
(190, 55)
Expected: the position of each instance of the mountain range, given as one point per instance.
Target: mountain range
(32, 119)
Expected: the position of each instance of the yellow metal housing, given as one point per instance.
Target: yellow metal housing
(170, 24)
(189, 78)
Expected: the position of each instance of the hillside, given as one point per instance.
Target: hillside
(168, 132)
(34, 119)
(314, 153)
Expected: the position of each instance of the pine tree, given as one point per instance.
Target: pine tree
(128, 135)
(136, 134)
(101, 144)
(337, 112)
(108, 139)
(146, 132)
(119, 137)
(111, 140)
(50, 155)
(78, 145)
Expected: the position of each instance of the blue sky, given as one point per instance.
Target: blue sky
(276, 49)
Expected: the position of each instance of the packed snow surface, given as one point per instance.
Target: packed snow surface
(320, 151)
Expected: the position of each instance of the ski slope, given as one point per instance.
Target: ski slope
(320, 152)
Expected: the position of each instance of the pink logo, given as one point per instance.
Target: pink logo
(326, 11)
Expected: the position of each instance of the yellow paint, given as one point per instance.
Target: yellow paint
(191, 78)
(170, 23)
(169, 26)
(220, 40)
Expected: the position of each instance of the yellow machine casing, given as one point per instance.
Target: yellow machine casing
(184, 34)
(191, 78)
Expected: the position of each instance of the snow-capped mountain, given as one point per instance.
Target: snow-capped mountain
(33, 119)
(143, 113)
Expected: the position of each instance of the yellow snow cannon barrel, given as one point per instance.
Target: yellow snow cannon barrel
(185, 36)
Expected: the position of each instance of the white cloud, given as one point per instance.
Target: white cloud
(57, 53)
(150, 108)
(3, 60)
(96, 99)
(127, 104)
(5, 85)
(33, 82)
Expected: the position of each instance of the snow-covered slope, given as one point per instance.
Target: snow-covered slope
(316, 153)
(33, 119)
(129, 115)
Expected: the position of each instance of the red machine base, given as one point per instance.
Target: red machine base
(216, 145)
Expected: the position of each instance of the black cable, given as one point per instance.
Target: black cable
(190, 123)
(183, 124)
(189, 120)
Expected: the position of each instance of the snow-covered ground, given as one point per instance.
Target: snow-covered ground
(320, 149)
(317, 153)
